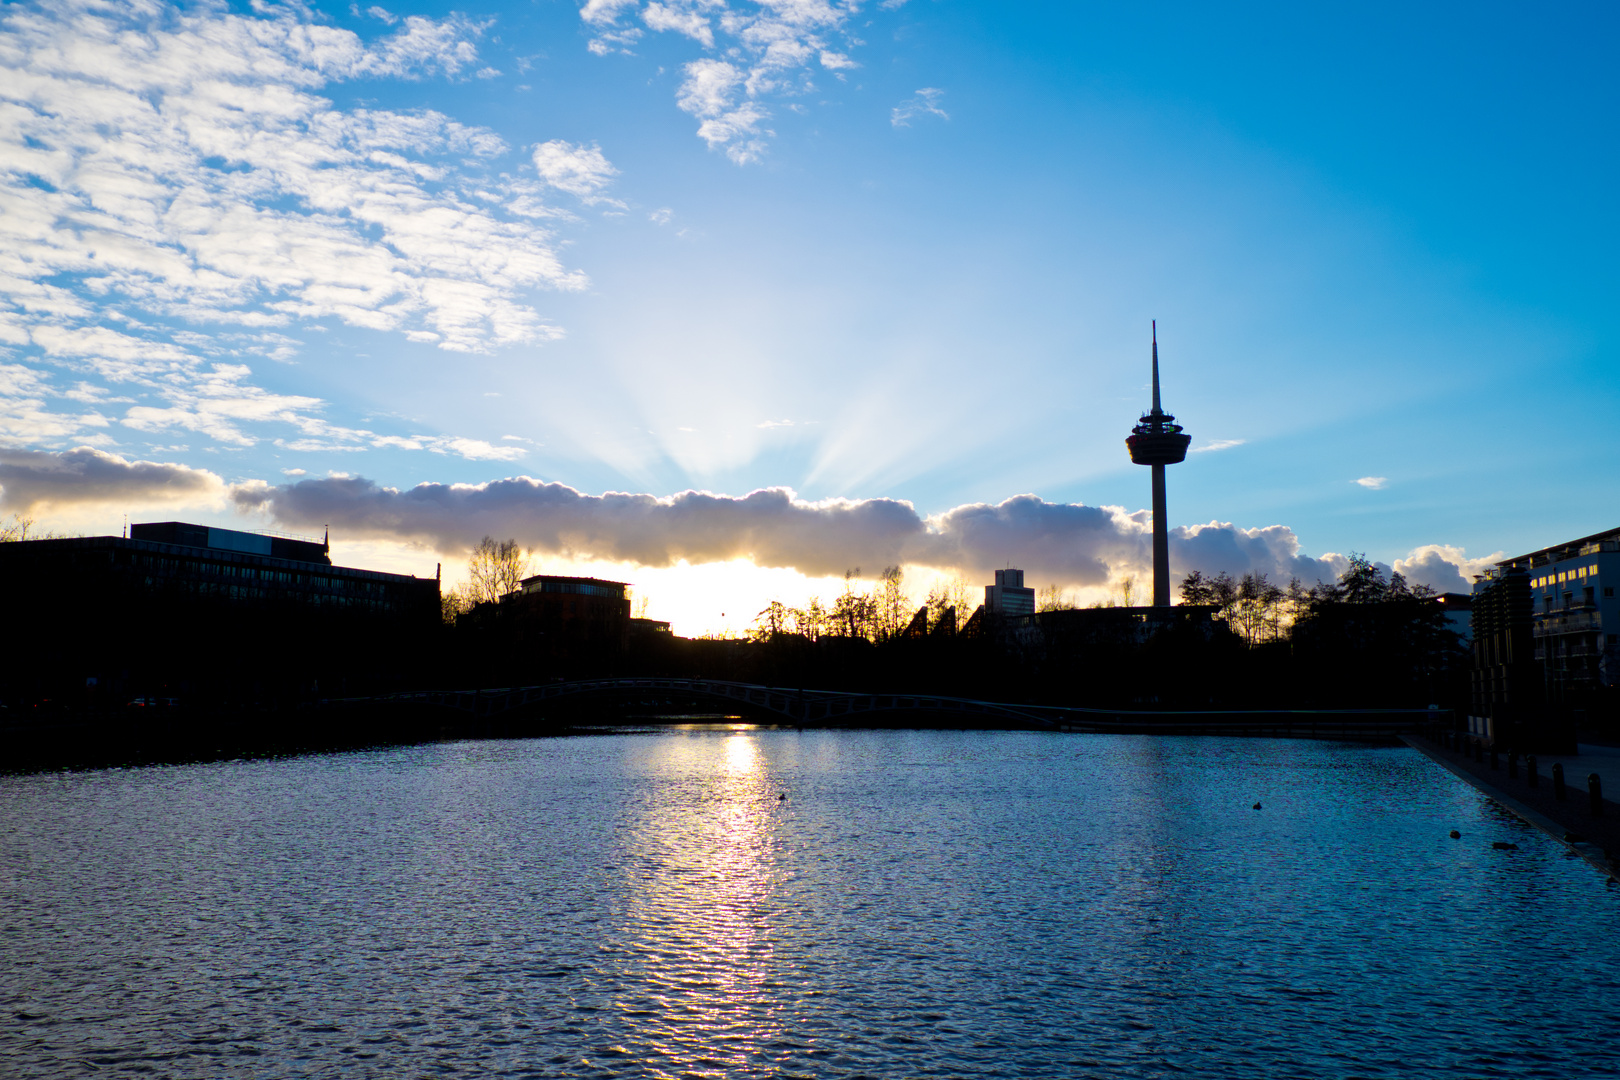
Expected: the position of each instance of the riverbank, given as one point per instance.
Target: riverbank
(1569, 821)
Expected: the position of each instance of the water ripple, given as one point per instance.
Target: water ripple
(920, 903)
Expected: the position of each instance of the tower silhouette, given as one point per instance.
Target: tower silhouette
(1157, 440)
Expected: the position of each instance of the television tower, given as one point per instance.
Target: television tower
(1157, 440)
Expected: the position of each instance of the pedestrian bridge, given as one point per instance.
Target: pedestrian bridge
(653, 698)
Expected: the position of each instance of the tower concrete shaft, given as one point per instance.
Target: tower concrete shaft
(1161, 542)
(1157, 440)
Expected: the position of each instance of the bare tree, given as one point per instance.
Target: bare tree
(452, 604)
(810, 621)
(854, 614)
(18, 528)
(495, 569)
(1053, 598)
(1255, 610)
(893, 605)
(948, 594)
(1127, 591)
(771, 622)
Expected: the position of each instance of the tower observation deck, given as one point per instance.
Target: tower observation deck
(1157, 440)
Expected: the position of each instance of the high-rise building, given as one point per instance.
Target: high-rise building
(1157, 440)
(1008, 596)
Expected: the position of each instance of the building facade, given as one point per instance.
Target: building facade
(1546, 628)
(187, 610)
(1576, 615)
(1008, 597)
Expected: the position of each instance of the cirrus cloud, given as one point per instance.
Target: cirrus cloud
(924, 103)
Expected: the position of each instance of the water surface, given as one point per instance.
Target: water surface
(921, 903)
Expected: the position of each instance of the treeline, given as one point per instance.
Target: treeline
(882, 613)
(1363, 640)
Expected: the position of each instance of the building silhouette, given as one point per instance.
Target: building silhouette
(199, 614)
(1157, 440)
(580, 608)
(1008, 596)
(1546, 643)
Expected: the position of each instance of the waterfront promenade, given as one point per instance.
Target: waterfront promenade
(1569, 820)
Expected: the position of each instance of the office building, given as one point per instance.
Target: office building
(1008, 597)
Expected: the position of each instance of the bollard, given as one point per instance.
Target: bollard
(1494, 763)
(1530, 770)
(1594, 794)
(1558, 780)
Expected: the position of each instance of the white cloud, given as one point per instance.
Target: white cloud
(768, 49)
(925, 103)
(179, 390)
(177, 162)
(1376, 483)
(1218, 444)
(576, 169)
(1445, 568)
(25, 419)
(32, 480)
(659, 17)
(604, 12)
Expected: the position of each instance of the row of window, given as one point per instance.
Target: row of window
(250, 592)
(266, 575)
(1565, 576)
(581, 588)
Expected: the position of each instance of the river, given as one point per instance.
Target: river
(920, 903)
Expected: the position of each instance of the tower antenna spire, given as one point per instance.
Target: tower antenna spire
(1156, 407)
(1157, 440)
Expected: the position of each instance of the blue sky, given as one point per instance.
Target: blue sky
(885, 254)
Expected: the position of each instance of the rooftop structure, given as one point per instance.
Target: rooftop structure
(1157, 440)
(1008, 596)
(296, 548)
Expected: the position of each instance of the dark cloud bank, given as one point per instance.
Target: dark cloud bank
(1072, 544)
(31, 480)
(1068, 543)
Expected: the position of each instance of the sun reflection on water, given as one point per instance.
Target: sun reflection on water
(705, 931)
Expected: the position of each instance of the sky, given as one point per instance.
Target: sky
(725, 299)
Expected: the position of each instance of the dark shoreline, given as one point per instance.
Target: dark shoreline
(1595, 839)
